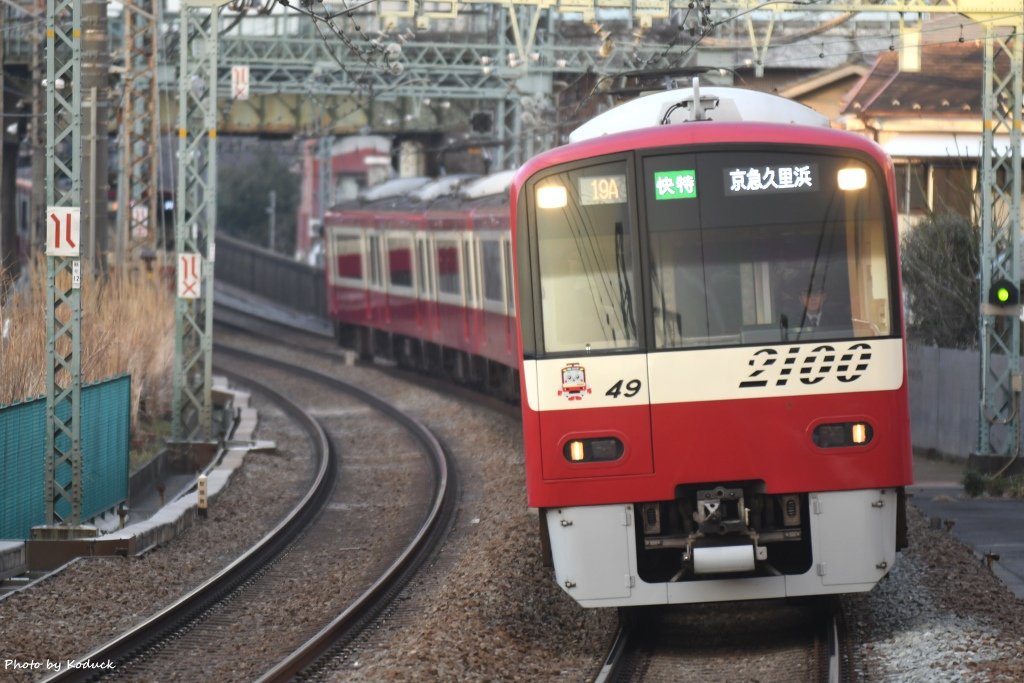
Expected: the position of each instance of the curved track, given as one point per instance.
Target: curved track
(202, 611)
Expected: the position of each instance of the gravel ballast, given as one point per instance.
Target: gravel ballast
(487, 609)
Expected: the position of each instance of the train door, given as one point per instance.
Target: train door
(490, 283)
(400, 286)
(375, 276)
(589, 383)
(425, 295)
(451, 292)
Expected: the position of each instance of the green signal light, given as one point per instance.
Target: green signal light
(1003, 293)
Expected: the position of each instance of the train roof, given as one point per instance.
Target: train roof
(494, 184)
(390, 189)
(698, 104)
(443, 187)
(419, 190)
(457, 192)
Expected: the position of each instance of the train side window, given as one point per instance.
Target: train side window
(471, 272)
(586, 254)
(400, 260)
(347, 250)
(422, 267)
(509, 279)
(491, 262)
(449, 271)
(373, 259)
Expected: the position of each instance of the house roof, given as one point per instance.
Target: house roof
(797, 88)
(949, 84)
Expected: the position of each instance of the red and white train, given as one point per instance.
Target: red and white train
(709, 347)
(420, 271)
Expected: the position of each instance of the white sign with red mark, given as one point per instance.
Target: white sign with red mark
(140, 221)
(190, 270)
(240, 82)
(63, 228)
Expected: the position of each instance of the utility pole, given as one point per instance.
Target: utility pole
(999, 326)
(8, 230)
(195, 221)
(63, 475)
(137, 185)
(95, 67)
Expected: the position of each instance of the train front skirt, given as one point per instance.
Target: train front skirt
(853, 541)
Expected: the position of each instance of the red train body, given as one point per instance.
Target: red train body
(420, 272)
(709, 348)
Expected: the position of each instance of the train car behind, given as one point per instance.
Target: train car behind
(419, 271)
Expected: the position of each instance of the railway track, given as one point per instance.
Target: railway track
(802, 640)
(239, 610)
(706, 642)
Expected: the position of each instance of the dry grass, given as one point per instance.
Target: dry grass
(127, 328)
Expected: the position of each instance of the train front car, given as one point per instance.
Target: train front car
(713, 367)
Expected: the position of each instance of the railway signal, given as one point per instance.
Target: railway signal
(1003, 293)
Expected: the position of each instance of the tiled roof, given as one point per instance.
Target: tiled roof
(949, 84)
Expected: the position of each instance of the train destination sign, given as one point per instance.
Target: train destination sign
(607, 189)
(771, 179)
(675, 184)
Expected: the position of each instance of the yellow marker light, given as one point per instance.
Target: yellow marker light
(859, 432)
(552, 197)
(852, 179)
(576, 451)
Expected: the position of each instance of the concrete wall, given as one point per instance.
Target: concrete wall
(943, 400)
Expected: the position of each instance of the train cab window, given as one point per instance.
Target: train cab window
(767, 248)
(449, 271)
(585, 247)
(400, 260)
(347, 248)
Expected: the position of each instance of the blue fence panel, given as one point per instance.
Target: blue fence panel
(106, 440)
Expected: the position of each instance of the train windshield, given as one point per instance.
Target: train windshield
(742, 247)
(586, 259)
(766, 247)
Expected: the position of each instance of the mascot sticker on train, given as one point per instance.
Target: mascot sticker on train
(574, 382)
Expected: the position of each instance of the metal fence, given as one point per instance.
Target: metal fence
(106, 440)
(270, 275)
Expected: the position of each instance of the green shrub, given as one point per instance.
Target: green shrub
(974, 483)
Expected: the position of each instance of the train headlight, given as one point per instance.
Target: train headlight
(852, 179)
(601, 449)
(552, 197)
(842, 434)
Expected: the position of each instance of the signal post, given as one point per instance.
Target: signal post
(195, 215)
(63, 459)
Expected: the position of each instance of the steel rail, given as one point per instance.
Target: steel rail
(199, 600)
(429, 536)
